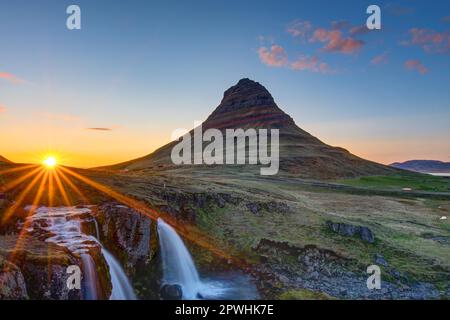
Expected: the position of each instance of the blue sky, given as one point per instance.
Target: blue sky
(146, 68)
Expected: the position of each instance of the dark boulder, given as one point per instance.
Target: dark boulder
(366, 235)
(171, 292)
(349, 230)
(379, 259)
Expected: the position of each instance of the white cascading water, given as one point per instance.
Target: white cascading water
(90, 277)
(121, 287)
(178, 266)
(64, 223)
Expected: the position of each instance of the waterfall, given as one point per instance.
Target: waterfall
(178, 266)
(63, 227)
(121, 287)
(97, 231)
(90, 280)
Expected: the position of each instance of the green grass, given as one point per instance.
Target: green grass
(304, 294)
(398, 182)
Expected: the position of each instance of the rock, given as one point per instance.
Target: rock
(350, 230)
(366, 235)
(130, 235)
(171, 292)
(379, 259)
(220, 201)
(200, 296)
(12, 283)
(253, 207)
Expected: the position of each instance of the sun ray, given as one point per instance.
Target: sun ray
(34, 206)
(62, 191)
(72, 185)
(51, 188)
(19, 180)
(21, 197)
(21, 168)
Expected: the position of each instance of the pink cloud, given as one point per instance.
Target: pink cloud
(299, 29)
(312, 64)
(430, 41)
(335, 42)
(11, 78)
(446, 19)
(362, 29)
(416, 65)
(2, 109)
(275, 56)
(380, 59)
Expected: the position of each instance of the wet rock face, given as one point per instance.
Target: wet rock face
(44, 277)
(49, 283)
(350, 230)
(12, 283)
(171, 292)
(185, 206)
(130, 235)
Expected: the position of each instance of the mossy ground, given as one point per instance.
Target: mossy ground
(304, 294)
(422, 182)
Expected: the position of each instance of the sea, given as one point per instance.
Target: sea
(439, 174)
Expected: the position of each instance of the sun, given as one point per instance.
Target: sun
(50, 162)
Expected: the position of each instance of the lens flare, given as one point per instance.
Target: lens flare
(50, 162)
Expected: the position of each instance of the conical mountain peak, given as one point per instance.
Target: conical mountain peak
(247, 104)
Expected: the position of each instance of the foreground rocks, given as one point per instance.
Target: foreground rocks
(324, 271)
(39, 269)
(12, 282)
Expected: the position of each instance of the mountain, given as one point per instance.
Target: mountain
(248, 104)
(2, 159)
(428, 166)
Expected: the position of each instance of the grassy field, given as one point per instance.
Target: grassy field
(398, 182)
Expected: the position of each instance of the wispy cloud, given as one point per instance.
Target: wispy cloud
(416, 65)
(2, 108)
(339, 38)
(11, 78)
(429, 40)
(356, 30)
(276, 56)
(299, 28)
(100, 129)
(312, 64)
(446, 19)
(336, 42)
(380, 59)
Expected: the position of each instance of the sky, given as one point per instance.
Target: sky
(138, 70)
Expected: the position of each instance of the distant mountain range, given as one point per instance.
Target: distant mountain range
(428, 166)
(248, 104)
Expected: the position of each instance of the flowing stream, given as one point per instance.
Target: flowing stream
(64, 226)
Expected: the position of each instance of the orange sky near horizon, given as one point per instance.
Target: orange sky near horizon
(78, 146)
